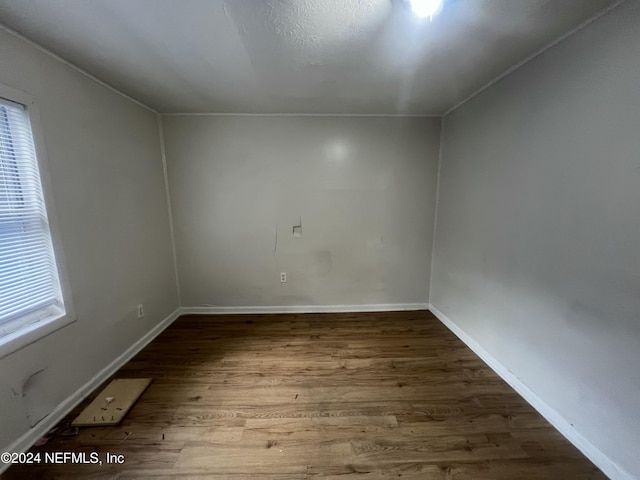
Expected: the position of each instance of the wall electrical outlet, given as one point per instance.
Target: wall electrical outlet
(283, 277)
(140, 311)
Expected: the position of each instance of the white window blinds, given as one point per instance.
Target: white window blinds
(29, 284)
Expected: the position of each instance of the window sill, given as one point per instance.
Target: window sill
(33, 332)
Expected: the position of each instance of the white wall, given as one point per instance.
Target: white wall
(364, 188)
(106, 174)
(537, 255)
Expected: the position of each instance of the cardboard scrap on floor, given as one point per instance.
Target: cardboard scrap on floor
(113, 403)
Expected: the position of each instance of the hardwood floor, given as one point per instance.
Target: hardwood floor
(319, 396)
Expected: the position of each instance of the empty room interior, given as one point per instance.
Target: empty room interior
(344, 239)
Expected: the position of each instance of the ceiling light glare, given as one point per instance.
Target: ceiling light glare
(426, 8)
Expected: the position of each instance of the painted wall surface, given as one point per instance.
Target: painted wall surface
(537, 253)
(106, 173)
(363, 189)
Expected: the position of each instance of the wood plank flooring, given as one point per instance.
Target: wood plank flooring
(318, 396)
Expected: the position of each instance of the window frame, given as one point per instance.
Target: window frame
(31, 328)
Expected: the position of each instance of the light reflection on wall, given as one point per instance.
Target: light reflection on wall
(336, 151)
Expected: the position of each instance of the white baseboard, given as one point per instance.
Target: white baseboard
(25, 442)
(604, 463)
(610, 468)
(382, 307)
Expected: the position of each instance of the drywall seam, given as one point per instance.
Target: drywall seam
(602, 461)
(25, 442)
(435, 211)
(383, 307)
(163, 155)
(534, 55)
(214, 114)
(74, 67)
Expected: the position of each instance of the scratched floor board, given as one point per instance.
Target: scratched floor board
(322, 396)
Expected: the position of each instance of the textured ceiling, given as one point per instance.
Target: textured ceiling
(295, 56)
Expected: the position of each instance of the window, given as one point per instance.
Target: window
(30, 288)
